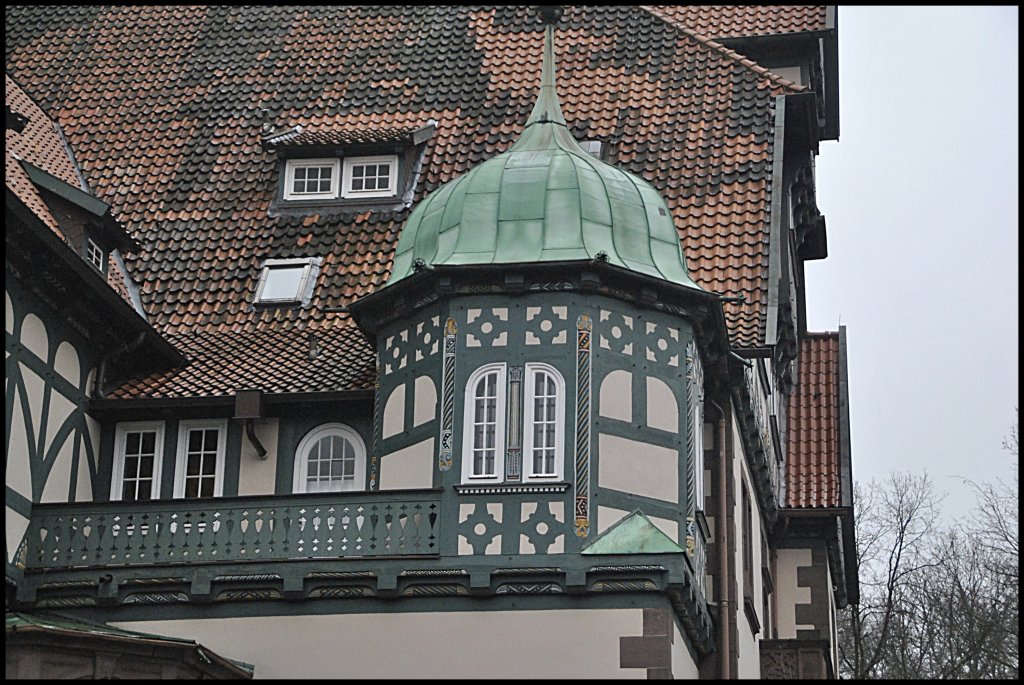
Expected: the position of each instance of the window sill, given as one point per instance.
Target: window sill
(509, 488)
(751, 613)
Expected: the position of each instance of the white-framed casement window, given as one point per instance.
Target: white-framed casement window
(94, 254)
(370, 176)
(287, 280)
(331, 458)
(311, 179)
(138, 452)
(544, 428)
(199, 469)
(483, 438)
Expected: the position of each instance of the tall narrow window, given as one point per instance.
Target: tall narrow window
(545, 412)
(484, 425)
(199, 471)
(138, 448)
(94, 254)
(331, 458)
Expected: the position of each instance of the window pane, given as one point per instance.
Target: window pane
(191, 487)
(131, 443)
(282, 283)
(195, 441)
(193, 464)
(131, 467)
(210, 440)
(210, 465)
(128, 490)
(149, 442)
(207, 487)
(146, 467)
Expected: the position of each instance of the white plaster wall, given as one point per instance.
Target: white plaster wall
(34, 337)
(787, 593)
(569, 643)
(609, 516)
(662, 408)
(425, 403)
(394, 413)
(615, 399)
(8, 313)
(638, 468)
(58, 482)
(66, 363)
(412, 467)
(15, 525)
(749, 653)
(259, 476)
(35, 387)
(683, 665)
(83, 488)
(19, 471)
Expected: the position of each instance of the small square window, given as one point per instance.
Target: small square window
(370, 176)
(287, 280)
(311, 179)
(94, 255)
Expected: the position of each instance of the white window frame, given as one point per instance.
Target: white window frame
(304, 280)
(299, 482)
(532, 369)
(94, 254)
(221, 425)
(291, 165)
(468, 445)
(120, 439)
(392, 189)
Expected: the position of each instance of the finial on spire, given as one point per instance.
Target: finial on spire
(549, 14)
(547, 109)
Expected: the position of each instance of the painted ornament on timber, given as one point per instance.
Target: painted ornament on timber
(444, 458)
(582, 508)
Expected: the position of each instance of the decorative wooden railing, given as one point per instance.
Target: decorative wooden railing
(335, 525)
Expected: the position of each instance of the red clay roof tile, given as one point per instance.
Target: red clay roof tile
(181, 161)
(813, 458)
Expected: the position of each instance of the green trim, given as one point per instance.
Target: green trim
(771, 331)
(17, 501)
(633, 534)
(76, 196)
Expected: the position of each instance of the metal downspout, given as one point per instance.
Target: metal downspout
(722, 541)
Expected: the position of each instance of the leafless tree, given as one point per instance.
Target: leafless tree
(936, 603)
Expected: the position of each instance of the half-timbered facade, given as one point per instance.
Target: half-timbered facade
(425, 341)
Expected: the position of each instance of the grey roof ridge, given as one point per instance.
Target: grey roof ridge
(727, 52)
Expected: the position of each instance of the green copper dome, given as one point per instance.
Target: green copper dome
(545, 199)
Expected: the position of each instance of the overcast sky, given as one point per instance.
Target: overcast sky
(920, 199)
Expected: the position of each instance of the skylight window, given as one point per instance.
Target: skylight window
(287, 280)
(370, 176)
(311, 179)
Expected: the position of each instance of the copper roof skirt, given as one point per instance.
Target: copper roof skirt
(813, 464)
(181, 157)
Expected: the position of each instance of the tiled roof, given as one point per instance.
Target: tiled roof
(734, 21)
(39, 144)
(180, 156)
(813, 456)
(359, 136)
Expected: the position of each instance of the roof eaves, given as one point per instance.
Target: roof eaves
(786, 85)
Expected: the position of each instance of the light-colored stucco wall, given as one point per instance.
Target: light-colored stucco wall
(788, 593)
(412, 467)
(749, 653)
(683, 665)
(567, 643)
(258, 476)
(638, 468)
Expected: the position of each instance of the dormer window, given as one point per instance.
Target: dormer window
(311, 179)
(370, 176)
(594, 147)
(286, 281)
(94, 255)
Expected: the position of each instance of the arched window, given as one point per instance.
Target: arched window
(545, 423)
(331, 458)
(483, 444)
